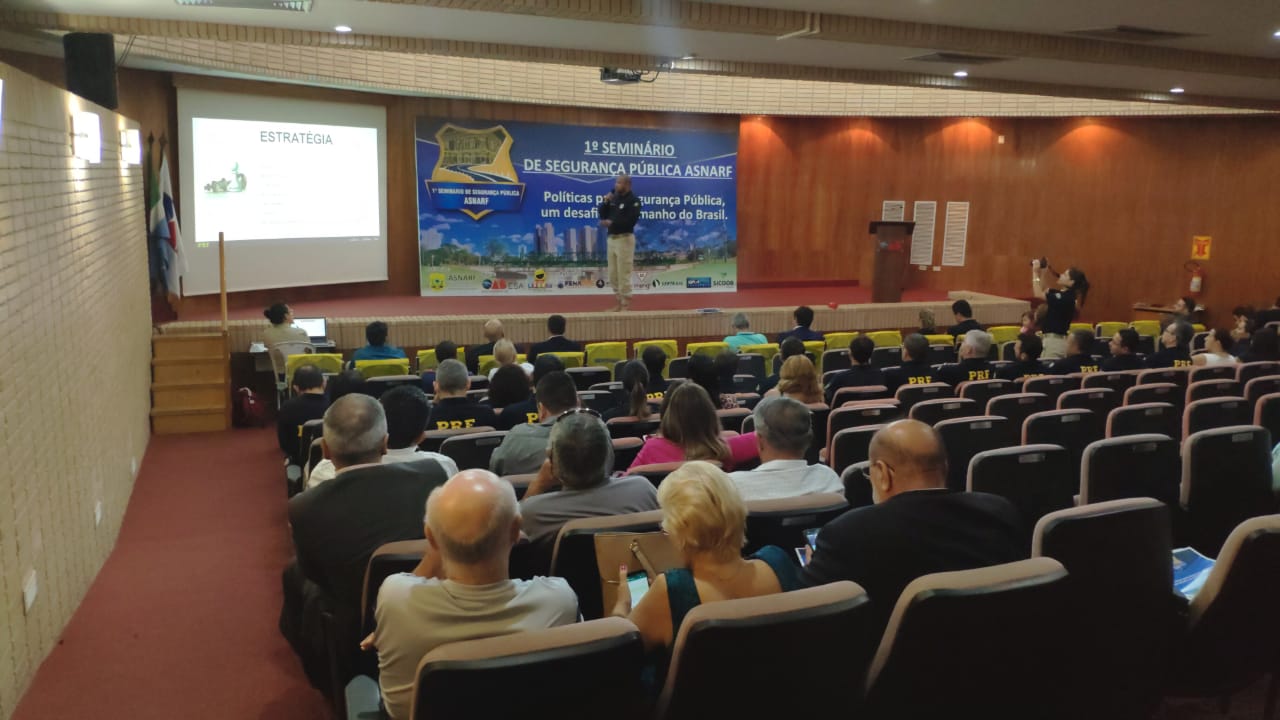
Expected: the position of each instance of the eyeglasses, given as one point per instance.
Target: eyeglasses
(866, 471)
(578, 411)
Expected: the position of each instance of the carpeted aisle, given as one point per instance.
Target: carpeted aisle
(181, 620)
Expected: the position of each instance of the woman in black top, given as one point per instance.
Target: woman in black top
(1062, 302)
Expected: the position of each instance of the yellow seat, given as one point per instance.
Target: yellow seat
(766, 351)
(427, 359)
(1080, 326)
(1198, 327)
(570, 359)
(940, 339)
(1147, 328)
(890, 338)
(670, 347)
(1109, 329)
(1004, 333)
(606, 354)
(489, 362)
(839, 340)
(710, 349)
(817, 347)
(382, 368)
(325, 362)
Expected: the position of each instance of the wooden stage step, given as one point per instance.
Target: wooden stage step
(191, 383)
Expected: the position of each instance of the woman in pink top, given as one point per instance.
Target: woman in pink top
(690, 430)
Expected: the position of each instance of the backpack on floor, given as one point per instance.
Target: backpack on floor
(249, 410)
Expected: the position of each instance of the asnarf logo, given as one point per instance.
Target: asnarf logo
(474, 173)
(435, 281)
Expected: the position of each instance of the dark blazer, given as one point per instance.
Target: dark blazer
(1021, 369)
(1122, 362)
(803, 334)
(884, 547)
(338, 524)
(525, 411)
(1082, 363)
(473, 356)
(1169, 358)
(456, 413)
(908, 373)
(555, 343)
(964, 326)
(856, 376)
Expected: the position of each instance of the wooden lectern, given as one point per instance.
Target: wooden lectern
(893, 250)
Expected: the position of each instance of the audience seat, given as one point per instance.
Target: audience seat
(571, 359)
(1156, 393)
(850, 446)
(745, 383)
(1122, 593)
(1051, 386)
(625, 451)
(1259, 386)
(1006, 628)
(1226, 479)
(839, 340)
(1100, 400)
(814, 350)
(1007, 351)
(377, 368)
(1215, 412)
(1233, 628)
(883, 357)
(1198, 341)
(766, 351)
(472, 450)
(981, 391)
(1212, 372)
(965, 437)
(678, 367)
(1266, 414)
(585, 377)
(732, 418)
(436, 438)
(601, 401)
(835, 360)
(1147, 328)
(381, 383)
(569, 672)
(885, 338)
(1037, 479)
(751, 364)
(1004, 333)
(842, 418)
(760, 657)
(1212, 388)
(1132, 466)
(425, 360)
(1106, 330)
(605, 354)
(930, 412)
(302, 352)
(489, 362)
(574, 556)
(1174, 376)
(480, 382)
(670, 347)
(710, 349)
(630, 426)
(818, 414)
(941, 354)
(521, 482)
(401, 556)
(782, 521)
(1248, 371)
(941, 339)
(1017, 407)
(1116, 381)
(866, 392)
(314, 455)
(1158, 417)
(909, 395)
(1072, 429)
(857, 489)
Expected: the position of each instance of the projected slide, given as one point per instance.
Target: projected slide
(262, 180)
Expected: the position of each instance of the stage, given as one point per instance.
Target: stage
(420, 322)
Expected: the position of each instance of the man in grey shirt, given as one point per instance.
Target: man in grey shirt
(461, 589)
(784, 431)
(524, 449)
(581, 459)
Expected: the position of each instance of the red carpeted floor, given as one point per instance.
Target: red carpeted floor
(181, 620)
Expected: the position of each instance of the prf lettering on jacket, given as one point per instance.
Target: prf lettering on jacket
(979, 374)
(1182, 363)
(455, 424)
(919, 380)
(530, 418)
(653, 396)
(1089, 368)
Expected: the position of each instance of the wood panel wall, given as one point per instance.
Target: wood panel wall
(1120, 197)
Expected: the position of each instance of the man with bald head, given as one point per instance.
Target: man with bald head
(461, 590)
(493, 332)
(916, 526)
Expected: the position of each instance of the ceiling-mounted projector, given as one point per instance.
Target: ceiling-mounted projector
(619, 76)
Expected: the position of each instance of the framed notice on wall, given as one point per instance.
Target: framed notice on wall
(925, 215)
(956, 234)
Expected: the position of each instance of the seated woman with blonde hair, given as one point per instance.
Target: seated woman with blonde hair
(690, 430)
(504, 351)
(798, 380)
(706, 520)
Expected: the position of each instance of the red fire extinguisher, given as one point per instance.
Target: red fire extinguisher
(1197, 278)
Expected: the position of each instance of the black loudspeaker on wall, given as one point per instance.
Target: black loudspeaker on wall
(91, 67)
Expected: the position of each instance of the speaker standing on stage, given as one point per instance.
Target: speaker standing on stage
(618, 214)
(1062, 302)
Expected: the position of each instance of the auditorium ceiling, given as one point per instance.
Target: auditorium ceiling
(894, 56)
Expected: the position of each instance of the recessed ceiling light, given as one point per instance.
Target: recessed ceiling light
(1276, 34)
(961, 73)
(342, 28)
(1177, 90)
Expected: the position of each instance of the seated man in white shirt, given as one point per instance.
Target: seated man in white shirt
(784, 431)
(461, 589)
(407, 409)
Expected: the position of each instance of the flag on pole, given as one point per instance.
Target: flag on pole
(166, 237)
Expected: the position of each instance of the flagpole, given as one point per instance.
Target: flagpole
(222, 278)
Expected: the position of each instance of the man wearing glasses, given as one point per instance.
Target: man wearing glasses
(524, 448)
(916, 526)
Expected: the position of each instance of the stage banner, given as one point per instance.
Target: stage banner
(511, 207)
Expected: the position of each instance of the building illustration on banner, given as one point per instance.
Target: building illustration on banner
(512, 207)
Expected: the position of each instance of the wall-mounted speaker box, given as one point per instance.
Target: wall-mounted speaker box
(91, 67)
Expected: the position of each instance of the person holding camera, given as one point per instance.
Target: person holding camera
(1063, 303)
